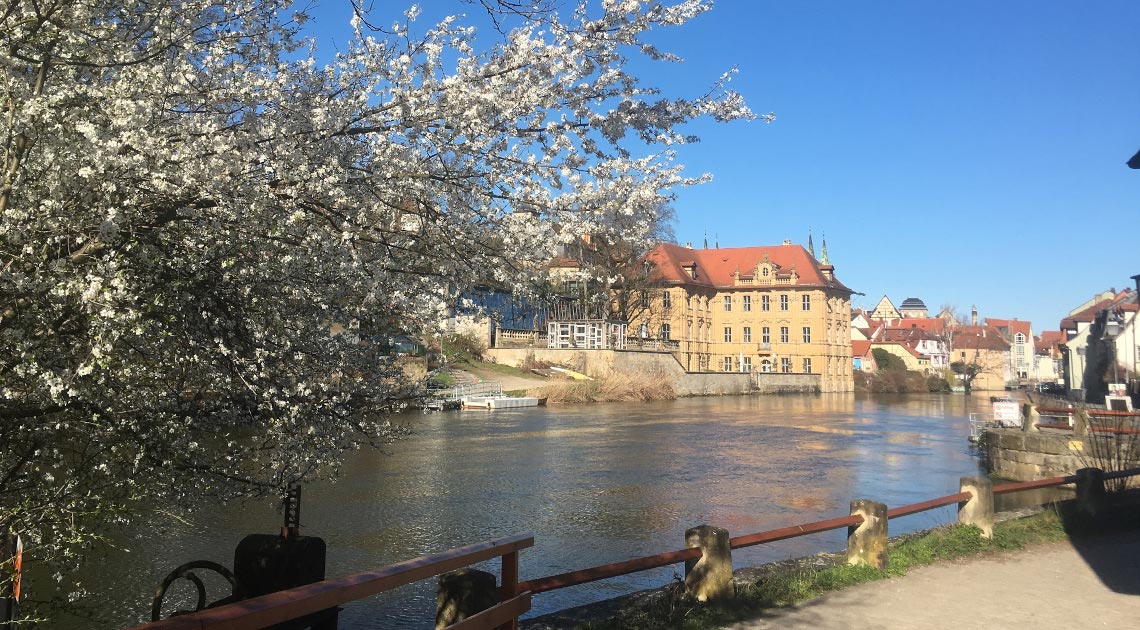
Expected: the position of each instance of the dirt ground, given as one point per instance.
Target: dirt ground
(1062, 586)
(509, 382)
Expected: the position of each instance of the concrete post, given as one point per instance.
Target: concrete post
(979, 509)
(463, 593)
(1091, 497)
(867, 542)
(1080, 423)
(709, 577)
(1030, 418)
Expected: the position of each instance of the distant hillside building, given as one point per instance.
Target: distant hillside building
(764, 309)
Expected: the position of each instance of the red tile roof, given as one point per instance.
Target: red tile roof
(978, 338)
(932, 325)
(860, 348)
(1047, 341)
(1014, 326)
(718, 267)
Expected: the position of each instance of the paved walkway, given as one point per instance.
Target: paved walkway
(1062, 586)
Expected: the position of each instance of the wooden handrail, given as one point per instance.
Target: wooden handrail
(615, 569)
(515, 596)
(495, 616)
(301, 601)
(1031, 485)
(794, 531)
(915, 508)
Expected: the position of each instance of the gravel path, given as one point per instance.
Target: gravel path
(1062, 586)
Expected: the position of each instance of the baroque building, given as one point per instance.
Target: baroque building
(751, 309)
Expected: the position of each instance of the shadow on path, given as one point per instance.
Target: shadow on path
(1110, 543)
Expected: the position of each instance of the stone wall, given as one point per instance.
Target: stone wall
(775, 383)
(1023, 456)
(604, 362)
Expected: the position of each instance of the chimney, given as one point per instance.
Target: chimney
(974, 316)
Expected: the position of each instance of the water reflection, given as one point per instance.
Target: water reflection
(594, 483)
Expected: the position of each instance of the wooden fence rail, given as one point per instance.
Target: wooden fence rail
(514, 596)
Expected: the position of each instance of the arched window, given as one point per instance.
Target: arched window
(765, 366)
(1019, 338)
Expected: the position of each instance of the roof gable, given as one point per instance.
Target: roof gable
(786, 265)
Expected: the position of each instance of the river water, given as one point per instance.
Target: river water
(594, 484)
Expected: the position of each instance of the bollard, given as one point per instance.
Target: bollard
(867, 542)
(463, 593)
(1030, 418)
(709, 577)
(979, 509)
(1080, 423)
(1091, 497)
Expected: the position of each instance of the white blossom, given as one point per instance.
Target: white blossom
(189, 201)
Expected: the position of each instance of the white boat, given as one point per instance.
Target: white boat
(499, 402)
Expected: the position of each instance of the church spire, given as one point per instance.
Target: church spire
(823, 255)
(706, 239)
(811, 248)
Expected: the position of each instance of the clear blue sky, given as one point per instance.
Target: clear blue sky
(964, 152)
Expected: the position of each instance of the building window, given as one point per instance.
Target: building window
(807, 302)
(783, 302)
(764, 272)
(665, 332)
(1019, 338)
(783, 334)
(747, 364)
(728, 364)
(807, 366)
(747, 303)
(785, 365)
(727, 334)
(747, 334)
(764, 336)
(666, 301)
(807, 334)
(765, 366)
(727, 303)
(765, 302)
(644, 299)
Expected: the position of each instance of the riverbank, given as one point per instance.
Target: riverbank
(783, 594)
(613, 388)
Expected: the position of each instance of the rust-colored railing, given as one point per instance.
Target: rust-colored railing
(515, 596)
(302, 601)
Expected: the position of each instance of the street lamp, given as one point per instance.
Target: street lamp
(1111, 331)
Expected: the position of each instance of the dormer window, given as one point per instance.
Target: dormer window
(764, 272)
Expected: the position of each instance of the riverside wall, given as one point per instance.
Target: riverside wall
(1025, 456)
(605, 362)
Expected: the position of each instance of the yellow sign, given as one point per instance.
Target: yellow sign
(1076, 445)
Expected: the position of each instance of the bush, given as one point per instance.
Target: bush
(887, 362)
(936, 383)
(462, 347)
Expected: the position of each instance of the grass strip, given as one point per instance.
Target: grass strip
(789, 583)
